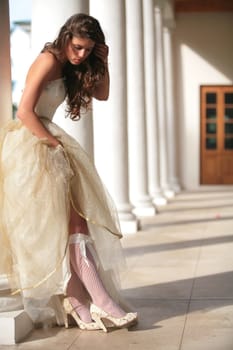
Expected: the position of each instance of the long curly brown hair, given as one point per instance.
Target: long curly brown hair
(80, 80)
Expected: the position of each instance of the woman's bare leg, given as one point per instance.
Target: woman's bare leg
(77, 224)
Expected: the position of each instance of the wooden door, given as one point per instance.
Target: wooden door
(217, 135)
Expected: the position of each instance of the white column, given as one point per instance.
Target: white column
(171, 124)
(5, 68)
(150, 103)
(14, 325)
(162, 129)
(136, 112)
(45, 28)
(81, 130)
(49, 16)
(110, 117)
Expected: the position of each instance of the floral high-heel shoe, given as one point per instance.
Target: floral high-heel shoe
(69, 310)
(100, 316)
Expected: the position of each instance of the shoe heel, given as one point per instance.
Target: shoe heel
(65, 319)
(99, 322)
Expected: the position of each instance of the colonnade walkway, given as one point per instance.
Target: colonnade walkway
(180, 280)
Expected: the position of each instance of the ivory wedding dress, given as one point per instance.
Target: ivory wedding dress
(37, 185)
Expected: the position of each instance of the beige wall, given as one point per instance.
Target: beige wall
(203, 56)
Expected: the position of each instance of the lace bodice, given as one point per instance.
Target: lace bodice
(51, 97)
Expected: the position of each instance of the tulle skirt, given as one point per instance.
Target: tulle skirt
(38, 184)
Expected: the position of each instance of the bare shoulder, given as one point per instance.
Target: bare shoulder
(45, 67)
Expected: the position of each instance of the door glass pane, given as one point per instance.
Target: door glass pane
(228, 98)
(228, 113)
(211, 97)
(211, 143)
(211, 113)
(211, 128)
(228, 128)
(229, 143)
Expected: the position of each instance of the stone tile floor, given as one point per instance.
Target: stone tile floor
(180, 280)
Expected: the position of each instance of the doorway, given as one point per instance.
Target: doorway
(216, 135)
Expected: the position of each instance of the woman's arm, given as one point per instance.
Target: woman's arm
(102, 90)
(41, 71)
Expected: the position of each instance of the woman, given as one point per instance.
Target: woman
(57, 220)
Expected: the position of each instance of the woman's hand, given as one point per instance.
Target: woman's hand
(101, 91)
(55, 143)
(101, 51)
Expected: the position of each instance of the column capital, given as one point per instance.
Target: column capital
(169, 15)
(162, 4)
(159, 3)
(166, 9)
(169, 24)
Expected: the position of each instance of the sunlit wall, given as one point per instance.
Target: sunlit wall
(203, 56)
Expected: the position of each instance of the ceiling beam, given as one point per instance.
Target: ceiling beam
(203, 5)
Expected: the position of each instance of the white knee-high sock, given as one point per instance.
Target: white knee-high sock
(78, 297)
(84, 266)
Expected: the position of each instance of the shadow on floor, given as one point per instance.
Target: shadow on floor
(205, 198)
(155, 248)
(191, 207)
(155, 223)
(159, 302)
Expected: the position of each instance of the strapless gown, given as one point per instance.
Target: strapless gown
(37, 185)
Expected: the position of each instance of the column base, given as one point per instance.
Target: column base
(174, 185)
(144, 211)
(129, 226)
(159, 200)
(176, 188)
(14, 326)
(169, 193)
